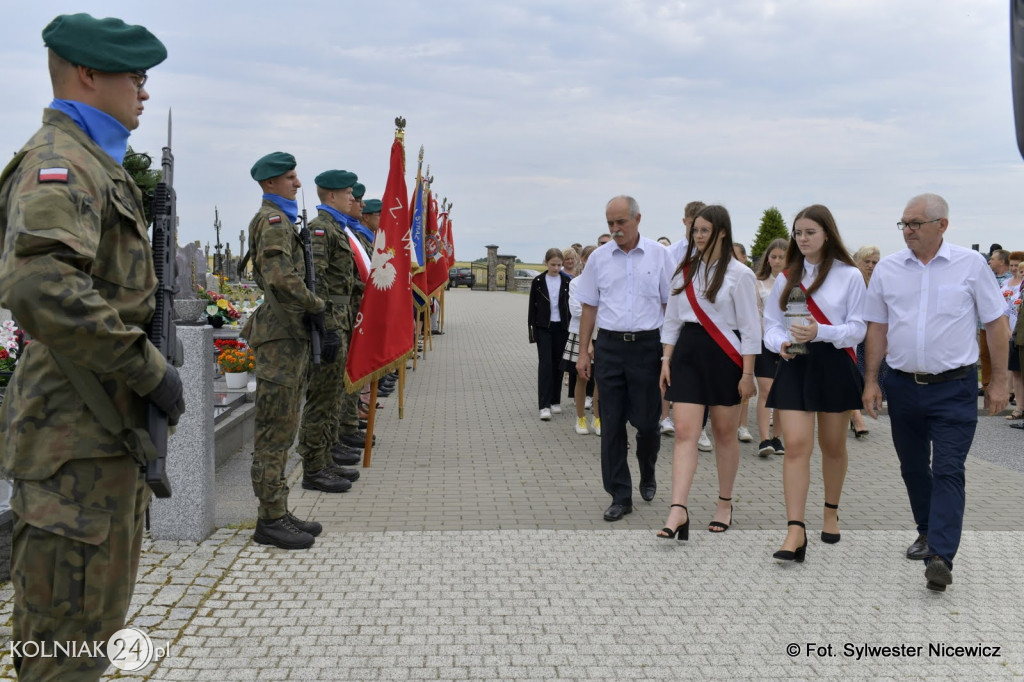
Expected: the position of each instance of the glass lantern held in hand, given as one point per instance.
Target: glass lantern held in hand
(796, 314)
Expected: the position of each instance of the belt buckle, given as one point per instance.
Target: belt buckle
(919, 382)
(629, 336)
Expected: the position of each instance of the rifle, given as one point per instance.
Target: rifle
(162, 332)
(307, 257)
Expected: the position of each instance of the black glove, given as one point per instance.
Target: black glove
(331, 344)
(168, 396)
(318, 321)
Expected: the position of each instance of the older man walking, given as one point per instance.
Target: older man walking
(921, 308)
(624, 289)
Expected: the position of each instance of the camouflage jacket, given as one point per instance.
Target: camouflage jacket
(337, 278)
(278, 267)
(77, 273)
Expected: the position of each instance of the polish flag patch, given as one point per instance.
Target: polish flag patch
(53, 175)
(319, 233)
(274, 219)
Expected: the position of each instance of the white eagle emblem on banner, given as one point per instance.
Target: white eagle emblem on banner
(382, 272)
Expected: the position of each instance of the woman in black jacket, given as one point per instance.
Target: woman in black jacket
(548, 319)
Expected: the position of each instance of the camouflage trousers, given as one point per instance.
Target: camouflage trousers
(320, 416)
(280, 379)
(348, 422)
(74, 560)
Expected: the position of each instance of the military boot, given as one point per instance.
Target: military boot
(282, 533)
(356, 440)
(344, 455)
(344, 472)
(326, 480)
(311, 527)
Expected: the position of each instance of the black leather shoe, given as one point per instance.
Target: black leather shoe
(647, 490)
(326, 481)
(938, 574)
(311, 527)
(617, 511)
(343, 455)
(919, 550)
(348, 474)
(282, 533)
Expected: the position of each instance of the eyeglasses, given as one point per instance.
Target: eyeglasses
(139, 79)
(914, 225)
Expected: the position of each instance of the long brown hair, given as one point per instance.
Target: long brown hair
(766, 267)
(832, 250)
(721, 224)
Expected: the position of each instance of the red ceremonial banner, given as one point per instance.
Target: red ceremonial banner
(437, 270)
(450, 241)
(383, 335)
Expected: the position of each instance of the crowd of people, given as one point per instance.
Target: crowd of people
(672, 335)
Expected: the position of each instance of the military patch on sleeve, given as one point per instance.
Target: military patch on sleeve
(274, 219)
(53, 175)
(319, 232)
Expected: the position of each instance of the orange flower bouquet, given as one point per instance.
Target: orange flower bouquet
(234, 356)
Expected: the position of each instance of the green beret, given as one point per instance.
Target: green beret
(358, 190)
(108, 45)
(371, 206)
(336, 179)
(272, 165)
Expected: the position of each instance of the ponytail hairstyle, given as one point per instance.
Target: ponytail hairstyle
(831, 251)
(720, 225)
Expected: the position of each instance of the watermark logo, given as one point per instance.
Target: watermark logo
(131, 649)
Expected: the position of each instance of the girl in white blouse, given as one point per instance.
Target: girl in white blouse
(767, 362)
(711, 335)
(824, 384)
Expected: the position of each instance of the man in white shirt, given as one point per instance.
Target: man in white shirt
(921, 308)
(624, 289)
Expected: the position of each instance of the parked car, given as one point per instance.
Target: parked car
(461, 276)
(526, 272)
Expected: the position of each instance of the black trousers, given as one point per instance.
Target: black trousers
(627, 373)
(550, 344)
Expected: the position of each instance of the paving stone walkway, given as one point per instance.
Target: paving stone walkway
(473, 548)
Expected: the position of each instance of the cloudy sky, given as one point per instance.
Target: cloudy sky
(533, 114)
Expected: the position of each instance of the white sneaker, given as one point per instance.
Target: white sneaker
(744, 434)
(588, 404)
(704, 443)
(667, 426)
(596, 426)
(556, 409)
(545, 414)
(581, 426)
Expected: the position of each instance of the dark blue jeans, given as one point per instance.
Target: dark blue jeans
(932, 428)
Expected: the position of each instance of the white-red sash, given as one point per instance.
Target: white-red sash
(821, 318)
(362, 260)
(726, 338)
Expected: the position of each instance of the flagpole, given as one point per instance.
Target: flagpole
(440, 314)
(371, 418)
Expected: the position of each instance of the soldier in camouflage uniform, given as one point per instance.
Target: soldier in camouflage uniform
(337, 279)
(77, 273)
(279, 333)
(349, 436)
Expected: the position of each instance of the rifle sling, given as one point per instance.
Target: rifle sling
(90, 390)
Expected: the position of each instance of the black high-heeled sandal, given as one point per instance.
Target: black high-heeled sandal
(682, 530)
(794, 555)
(718, 524)
(831, 538)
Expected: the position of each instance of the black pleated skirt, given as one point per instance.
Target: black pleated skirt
(767, 363)
(824, 380)
(701, 372)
